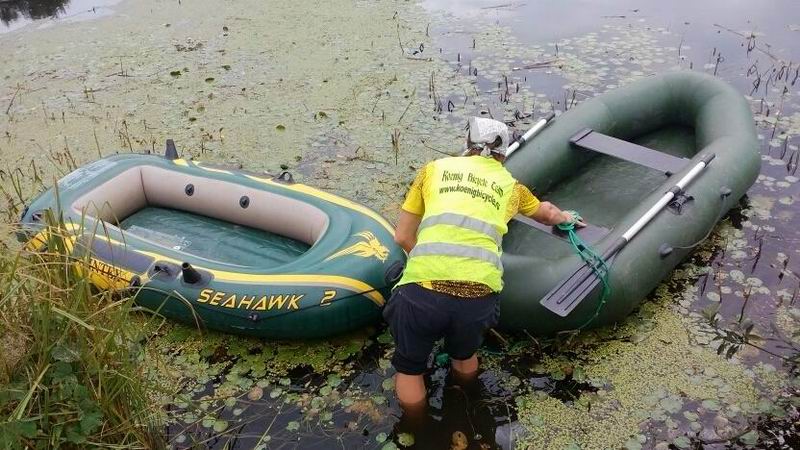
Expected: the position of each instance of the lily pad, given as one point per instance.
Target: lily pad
(220, 425)
(334, 380)
(749, 438)
(405, 439)
(255, 394)
(633, 444)
(691, 416)
(672, 404)
(711, 405)
(682, 442)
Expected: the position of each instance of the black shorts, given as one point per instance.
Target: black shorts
(418, 317)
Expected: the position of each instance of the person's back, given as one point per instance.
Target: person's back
(451, 224)
(465, 207)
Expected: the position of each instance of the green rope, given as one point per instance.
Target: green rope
(590, 257)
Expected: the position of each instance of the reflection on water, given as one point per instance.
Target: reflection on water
(31, 9)
(15, 14)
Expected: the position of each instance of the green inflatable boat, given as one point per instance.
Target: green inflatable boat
(224, 249)
(652, 167)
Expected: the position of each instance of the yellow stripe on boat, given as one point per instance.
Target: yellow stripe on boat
(351, 284)
(212, 169)
(335, 199)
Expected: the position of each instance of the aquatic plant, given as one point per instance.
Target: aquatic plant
(70, 370)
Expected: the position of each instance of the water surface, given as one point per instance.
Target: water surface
(324, 91)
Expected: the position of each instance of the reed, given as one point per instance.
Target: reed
(70, 370)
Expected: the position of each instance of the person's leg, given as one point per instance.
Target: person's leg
(471, 319)
(410, 390)
(465, 369)
(416, 323)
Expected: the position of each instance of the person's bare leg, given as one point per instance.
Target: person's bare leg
(410, 390)
(465, 370)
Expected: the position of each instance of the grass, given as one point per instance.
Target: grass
(70, 372)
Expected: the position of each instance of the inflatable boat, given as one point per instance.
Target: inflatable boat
(652, 167)
(224, 249)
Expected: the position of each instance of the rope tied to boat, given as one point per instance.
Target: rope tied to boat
(589, 256)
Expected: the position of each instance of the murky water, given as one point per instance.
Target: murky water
(229, 85)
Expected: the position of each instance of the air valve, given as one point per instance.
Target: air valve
(190, 274)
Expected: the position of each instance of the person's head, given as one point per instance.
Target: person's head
(487, 137)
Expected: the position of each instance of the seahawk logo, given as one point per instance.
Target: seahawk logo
(368, 247)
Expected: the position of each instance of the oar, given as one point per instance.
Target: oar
(535, 129)
(575, 288)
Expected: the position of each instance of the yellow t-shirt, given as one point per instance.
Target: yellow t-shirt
(522, 199)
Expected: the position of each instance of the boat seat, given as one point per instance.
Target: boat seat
(590, 234)
(589, 139)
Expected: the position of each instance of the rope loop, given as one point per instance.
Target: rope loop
(570, 224)
(590, 257)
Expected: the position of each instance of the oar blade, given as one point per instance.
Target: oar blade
(565, 297)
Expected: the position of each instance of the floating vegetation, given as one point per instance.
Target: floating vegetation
(707, 361)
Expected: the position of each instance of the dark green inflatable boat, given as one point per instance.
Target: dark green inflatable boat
(612, 158)
(224, 249)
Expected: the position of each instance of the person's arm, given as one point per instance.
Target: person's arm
(543, 212)
(549, 214)
(411, 213)
(406, 232)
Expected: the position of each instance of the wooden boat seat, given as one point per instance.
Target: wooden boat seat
(589, 139)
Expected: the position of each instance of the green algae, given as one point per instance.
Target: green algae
(86, 98)
(243, 97)
(651, 379)
(657, 364)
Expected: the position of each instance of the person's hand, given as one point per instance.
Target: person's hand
(573, 218)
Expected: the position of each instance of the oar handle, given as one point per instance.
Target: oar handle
(661, 203)
(611, 251)
(538, 126)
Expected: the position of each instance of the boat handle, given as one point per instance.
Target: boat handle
(285, 177)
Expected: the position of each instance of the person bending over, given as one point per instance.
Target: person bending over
(451, 224)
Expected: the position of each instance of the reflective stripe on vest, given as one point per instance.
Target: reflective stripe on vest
(462, 221)
(464, 251)
(459, 238)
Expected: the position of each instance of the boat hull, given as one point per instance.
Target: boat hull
(684, 114)
(235, 279)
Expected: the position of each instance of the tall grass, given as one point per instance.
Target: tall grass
(70, 372)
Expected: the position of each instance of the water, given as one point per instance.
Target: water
(230, 87)
(16, 14)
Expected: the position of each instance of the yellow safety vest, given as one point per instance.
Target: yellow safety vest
(461, 232)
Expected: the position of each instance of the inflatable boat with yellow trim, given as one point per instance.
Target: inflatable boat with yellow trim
(224, 249)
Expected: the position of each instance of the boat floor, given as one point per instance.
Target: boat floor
(212, 239)
(603, 191)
